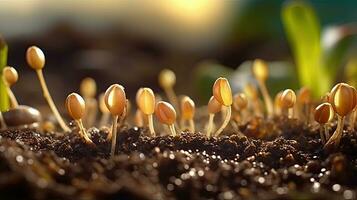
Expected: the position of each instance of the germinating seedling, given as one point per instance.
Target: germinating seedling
(166, 114)
(343, 99)
(36, 60)
(213, 107)
(115, 100)
(88, 89)
(75, 105)
(323, 114)
(287, 100)
(187, 113)
(167, 81)
(145, 100)
(223, 94)
(261, 73)
(10, 77)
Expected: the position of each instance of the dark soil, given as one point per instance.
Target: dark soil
(288, 163)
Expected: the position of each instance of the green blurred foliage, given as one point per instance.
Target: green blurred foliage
(4, 100)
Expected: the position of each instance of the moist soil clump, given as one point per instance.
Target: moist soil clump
(286, 161)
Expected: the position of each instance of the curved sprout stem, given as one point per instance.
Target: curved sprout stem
(151, 125)
(322, 136)
(50, 102)
(225, 122)
(334, 140)
(192, 125)
(12, 97)
(210, 125)
(267, 99)
(172, 129)
(83, 132)
(113, 135)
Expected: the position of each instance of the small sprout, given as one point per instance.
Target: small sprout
(188, 112)
(223, 94)
(166, 114)
(288, 99)
(303, 103)
(88, 89)
(323, 114)
(240, 103)
(115, 100)
(213, 107)
(75, 105)
(36, 60)
(104, 110)
(343, 99)
(261, 72)
(167, 80)
(10, 77)
(145, 100)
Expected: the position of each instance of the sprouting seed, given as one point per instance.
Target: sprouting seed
(187, 112)
(166, 114)
(75, 105)
(145, 100)
(287, 100)
(223, 94)
(36, 60)
(115, 100)
(104, 110)
(261, 73)
(323, 114)
(213, 107)
(88, 89)
(10, 77)
(167, 80)
(343, 99)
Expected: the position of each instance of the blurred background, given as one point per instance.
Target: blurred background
(129, 42)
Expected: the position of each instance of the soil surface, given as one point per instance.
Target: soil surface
(281, 159)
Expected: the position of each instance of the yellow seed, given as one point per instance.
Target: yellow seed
(323, 113)
(214, 106)
(115, 99)
(343, 99)
(240, 101)
(165, 113)
(145, 100)
(35, 58)
(304, 95)
(88, 88)
(288, 98)
(222, 91)
(187, 108)
(10, 75)
(260, 70)
(75, 106)
(167, 78)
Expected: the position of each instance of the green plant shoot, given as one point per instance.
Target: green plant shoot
(303, 31)
(4, 100)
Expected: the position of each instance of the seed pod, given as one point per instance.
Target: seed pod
(260, 70)
(10, 75)
(288, 98)
(167, 78)
(115, 99)
(240, 101)
(145, 100)
(75, 106)
(35, 58)
(214, 106)
(187, 108)
(165, 112)
(343, 98)
(88, 87)
(222, 91)
(304, 95)
(323, 113)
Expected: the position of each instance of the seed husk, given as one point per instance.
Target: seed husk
(222, 91)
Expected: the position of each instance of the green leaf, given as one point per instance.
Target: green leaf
(303, 31)
(4, 100)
